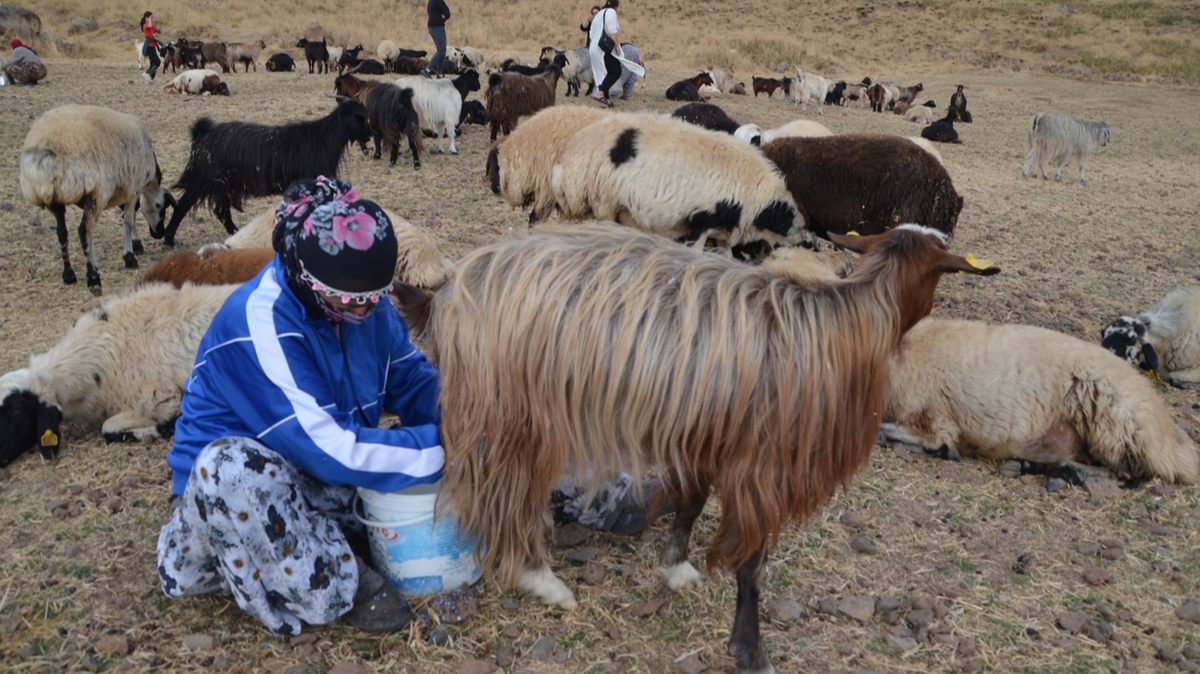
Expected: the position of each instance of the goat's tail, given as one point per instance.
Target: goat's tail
(40, 179)
(201, 128)
(415, 306)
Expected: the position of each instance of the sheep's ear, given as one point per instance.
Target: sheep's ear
(1150, 359)
(49, 420)
(967, 265)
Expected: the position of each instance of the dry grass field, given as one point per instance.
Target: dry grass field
(997, 561)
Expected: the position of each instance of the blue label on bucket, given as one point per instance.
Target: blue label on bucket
(425, 557)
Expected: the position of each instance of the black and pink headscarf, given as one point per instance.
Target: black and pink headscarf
(330, 240)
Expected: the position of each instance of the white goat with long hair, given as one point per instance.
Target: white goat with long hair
(1022, 392)
(1059, 139)
(600, 349)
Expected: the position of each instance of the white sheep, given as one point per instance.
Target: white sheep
(519, 165)
(1023, 392)
(197, 81)
(808, 87)
(420, 263)
(120, 370)
(1164, 340)
(755, 135)
(667, 176)
(920, 114)
(94, 158)
(387, 51)
(1059, 139)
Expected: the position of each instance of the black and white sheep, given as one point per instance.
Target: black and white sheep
(317, 54)
(439, 102)
(799, 128)
(94, 158)
(1059, 139)
(689, 89)
(867, 183)
(198, 82)
(110, 373)
(706, 115)
(511, 95)
(234, 160)
(1164, 340)
(1022, 392)
(281, 63)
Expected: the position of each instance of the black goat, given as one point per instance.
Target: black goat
(189, 53)
(834, 97)
(361, 66)
(281, 63)
(413, 53)
(689, 89)
(706, 115)
(234, 160)
(317, 54)
(349, 58)
(942, 131)
(473, 112)
(391, 114)
(511, 66)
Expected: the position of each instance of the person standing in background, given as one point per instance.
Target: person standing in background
(586, 26)
(438, 14)
(606, 69)
(150, 48)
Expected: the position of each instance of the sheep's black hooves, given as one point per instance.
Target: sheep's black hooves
(130, 261)
(138, 248)
(120, 436)
(69, 276)
(157, 233)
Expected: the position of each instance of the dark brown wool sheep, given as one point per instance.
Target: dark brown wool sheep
(868, 183)
(213, 267)
(511, 96)
(689, 89)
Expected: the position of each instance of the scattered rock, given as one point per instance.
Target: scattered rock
(6, 206)
(95, 496)
(543, 648)
(221, 663)
(966, 648)
(886, 604)
(302, 639)
(1165, 652)
(828, 605)
(1072, 622)
(593, 574)
(1095, 575)
(477, 667)
(510, 604)
(1189, 610)
(81, 25)
(88, 664)
(859, 608)
(845, 650)
(1112, 550)
(439, 635)
(112, 504)
(199, 642)
(1192, 651)
(1010, 469)
(583, 555)
(852, 521)
(971, 666)
(505, 656)
(29, 650)
(1160, 530)
(919, 618)
(348, 667)
(946, 640)
(863, 545)
(1055, 484)
(512, 631)
(571, 535)
(649, 607)
(784, 611)
(692, 664)
(1100, 490)
(902, 644)
(1163, 490)
(1067, 644)
(113, 644)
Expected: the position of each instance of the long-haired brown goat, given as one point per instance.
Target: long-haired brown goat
(212, 267)
(603, 349)
(511, 96)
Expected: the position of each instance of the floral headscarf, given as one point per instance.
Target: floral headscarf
(329, 240)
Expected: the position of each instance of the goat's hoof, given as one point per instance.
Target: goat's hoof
(453, 151)
(69, 276)
(130, 261)
(95, 290)
(138, 248)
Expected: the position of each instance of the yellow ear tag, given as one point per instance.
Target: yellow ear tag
(49, 439)
(852, 233)
(977, 263)
(1153, 375)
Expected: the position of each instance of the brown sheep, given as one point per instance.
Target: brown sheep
(215, 266)
(215, 52)
(766, 84)
(511, 96)
(245, 53)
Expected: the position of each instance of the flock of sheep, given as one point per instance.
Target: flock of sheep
(655, 352)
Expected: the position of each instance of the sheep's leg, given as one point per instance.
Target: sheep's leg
(1058, 172)
(224, 213)
(450, 131)
(60, 220)
(543, 584)
(393, 153)
(1082, 178)
(85, 241)
(1186, 379)
(128, 213)
(127, 426)
(890, 434)
(673, 561)
(745, 642)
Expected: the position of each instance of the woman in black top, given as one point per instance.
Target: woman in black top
(438, 13)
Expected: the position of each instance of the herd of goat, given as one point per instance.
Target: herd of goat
(632, 315)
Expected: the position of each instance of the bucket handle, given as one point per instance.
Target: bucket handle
(356, 507)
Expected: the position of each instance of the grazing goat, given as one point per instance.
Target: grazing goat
(806, 88)
(855, 92)
(689, 89)
(909, 94)
(866, 183)
(439, 102)
(636, 354)
(1059, 139)
(317, 54)
(197, 82)
(234, 160)
(1164, 340)
(511, 96)
(111, 372)
(766, 85)
(215, 52)
(210, 267)
(1022, 392)
(419, 263)
(706, 115)
(281, 63)
(246, 54)
(941, 131)
(392, 117)
(576, 67)
(94, 158)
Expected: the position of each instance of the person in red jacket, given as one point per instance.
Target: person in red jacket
(150, 48)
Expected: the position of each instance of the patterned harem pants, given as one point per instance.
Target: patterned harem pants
(253, 525)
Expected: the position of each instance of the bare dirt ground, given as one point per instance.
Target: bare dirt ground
(987, 569)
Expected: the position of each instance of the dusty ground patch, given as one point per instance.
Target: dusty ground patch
(1002, 559)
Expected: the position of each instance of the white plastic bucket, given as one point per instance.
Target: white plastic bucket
(416, 553)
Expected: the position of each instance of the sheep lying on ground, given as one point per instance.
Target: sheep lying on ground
(1059, 139)
(281, 63)
(110, 372)
(420, 263)
(689, 89)
(866, 183)
(94, 158)
(921, 114)
(1164, 340)
(1023, 392)
(211, 266)
(706, 115)
(800, 128)
(197, 82)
